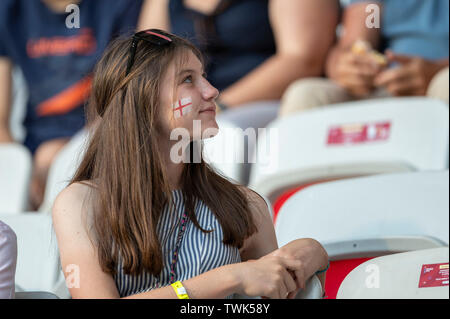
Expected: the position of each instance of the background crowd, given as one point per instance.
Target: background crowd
(268, 58)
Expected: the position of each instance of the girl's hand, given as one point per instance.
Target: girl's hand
(268, 276)
(411, 77)
(309, 253)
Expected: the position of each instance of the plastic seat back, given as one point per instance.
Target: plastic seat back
(352, 139)
(38, 267)
(15, 174)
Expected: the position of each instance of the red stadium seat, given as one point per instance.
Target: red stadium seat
(337, 272)
(361, 218)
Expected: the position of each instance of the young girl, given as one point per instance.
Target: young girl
(138, 224)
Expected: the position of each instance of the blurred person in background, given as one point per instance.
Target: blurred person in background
(56, 46)
(412, 34)
(8, 259)
(254, 48)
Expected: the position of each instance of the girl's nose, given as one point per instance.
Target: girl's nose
(208, 91)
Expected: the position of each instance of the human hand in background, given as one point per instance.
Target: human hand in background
(411, 77)
(357, 67)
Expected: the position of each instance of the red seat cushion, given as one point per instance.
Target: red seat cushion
(337, 272)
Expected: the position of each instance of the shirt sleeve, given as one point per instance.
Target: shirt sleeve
(8, 259)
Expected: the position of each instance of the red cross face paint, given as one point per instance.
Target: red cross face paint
(182, 107)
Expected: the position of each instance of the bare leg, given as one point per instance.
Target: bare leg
(438, 87)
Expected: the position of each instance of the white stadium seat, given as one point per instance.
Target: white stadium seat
(370, 216)
(38, 267)
(15, 174)
(63, 168)
(400, 276)
(225, 153)
(353, 139)
(19, 105)
(388, 205)
(225, 150)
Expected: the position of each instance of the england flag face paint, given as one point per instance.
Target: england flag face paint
(182, 107)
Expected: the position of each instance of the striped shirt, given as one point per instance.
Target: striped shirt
(198, 253)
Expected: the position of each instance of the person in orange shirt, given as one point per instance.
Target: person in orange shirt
(56, 57)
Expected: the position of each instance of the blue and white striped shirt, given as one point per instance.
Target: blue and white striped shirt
(199, 252)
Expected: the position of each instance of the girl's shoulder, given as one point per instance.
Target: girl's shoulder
(76, 192)
(257, 203)
(74, 203)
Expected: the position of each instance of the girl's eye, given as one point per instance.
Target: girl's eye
(188, 79)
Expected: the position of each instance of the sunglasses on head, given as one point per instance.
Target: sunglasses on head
(153, 36)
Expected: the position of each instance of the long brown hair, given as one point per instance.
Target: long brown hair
(124, 162)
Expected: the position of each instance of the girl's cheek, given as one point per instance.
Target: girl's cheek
(182, 107)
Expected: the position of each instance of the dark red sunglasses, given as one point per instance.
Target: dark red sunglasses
(153, 36)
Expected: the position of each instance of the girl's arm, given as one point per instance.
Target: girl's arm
(268, 276)
(154, 15)
(304, 31)
(309, 252)
(5, 99)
